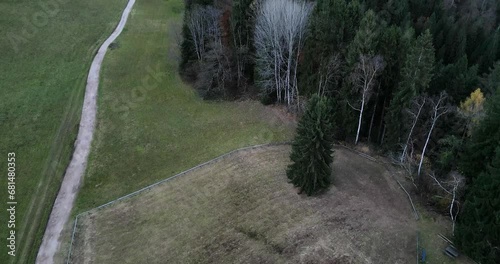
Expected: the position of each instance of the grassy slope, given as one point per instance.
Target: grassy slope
(430, 226)
(146, 136)
(242, 210)
(41, 87)
(167, 129)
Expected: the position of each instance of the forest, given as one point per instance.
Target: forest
(417, 79)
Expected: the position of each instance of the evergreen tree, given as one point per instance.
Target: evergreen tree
(485, 138)
(415, 78)
(457, 79)
(478, 230)
(366, 39)
(332, 26)
(396, 12)
(393, 46)
(485, 53)
(421, 10)
(187, 49)
(312, 148)
(491, 81)
(364, 43)
(456, 41)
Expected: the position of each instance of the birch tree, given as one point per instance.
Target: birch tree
(363, 79)
(279, 36)
(414, 113)
(329, 71)
(439, 108)
(415, 78)
(196, 24)
(214, 63)
(203, 24)
(452, 188)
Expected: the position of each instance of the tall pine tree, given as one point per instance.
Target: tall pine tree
(491, 81)
(332, 27)
(415, 78)
(366, 39)
(457, 79)
(478, 230)
(364, 43)
(485, 138)
(393, 46)
(312, 148)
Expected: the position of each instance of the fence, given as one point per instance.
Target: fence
(160, 182)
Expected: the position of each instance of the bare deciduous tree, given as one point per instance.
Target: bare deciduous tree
(452, 188)
(196, 23)
(363, 79)
(414, 112)
(439, 108)
(203, 24)
(279, 36)
(330, 69)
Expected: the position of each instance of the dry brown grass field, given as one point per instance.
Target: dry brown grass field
(242, 210)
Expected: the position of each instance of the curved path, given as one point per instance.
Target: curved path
(75, 171)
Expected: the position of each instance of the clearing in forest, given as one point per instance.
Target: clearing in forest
(242, 210)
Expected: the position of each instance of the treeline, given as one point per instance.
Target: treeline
(418, 78)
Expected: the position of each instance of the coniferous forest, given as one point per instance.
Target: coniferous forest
(417, 79)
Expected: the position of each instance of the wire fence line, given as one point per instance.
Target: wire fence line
(364, 155)
(68, 259)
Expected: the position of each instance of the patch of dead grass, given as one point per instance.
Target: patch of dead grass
(242, 210)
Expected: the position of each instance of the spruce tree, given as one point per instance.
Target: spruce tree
(490, 82)
(393, 45)
(478, 230)
(364, 43)
(312, 148)
(415, 78)
(485, 138)
(457, 79)
(396, 12)
(332, 27)
(366, 38)
(187, 48)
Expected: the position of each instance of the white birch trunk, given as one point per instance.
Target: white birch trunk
(415, 121)
(438, 110)
(360, 119)
(425, 147)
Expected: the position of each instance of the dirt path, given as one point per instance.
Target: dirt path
(75, 171)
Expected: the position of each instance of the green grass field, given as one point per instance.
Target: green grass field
(241, 209)
(44, 63)
(151, 125)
